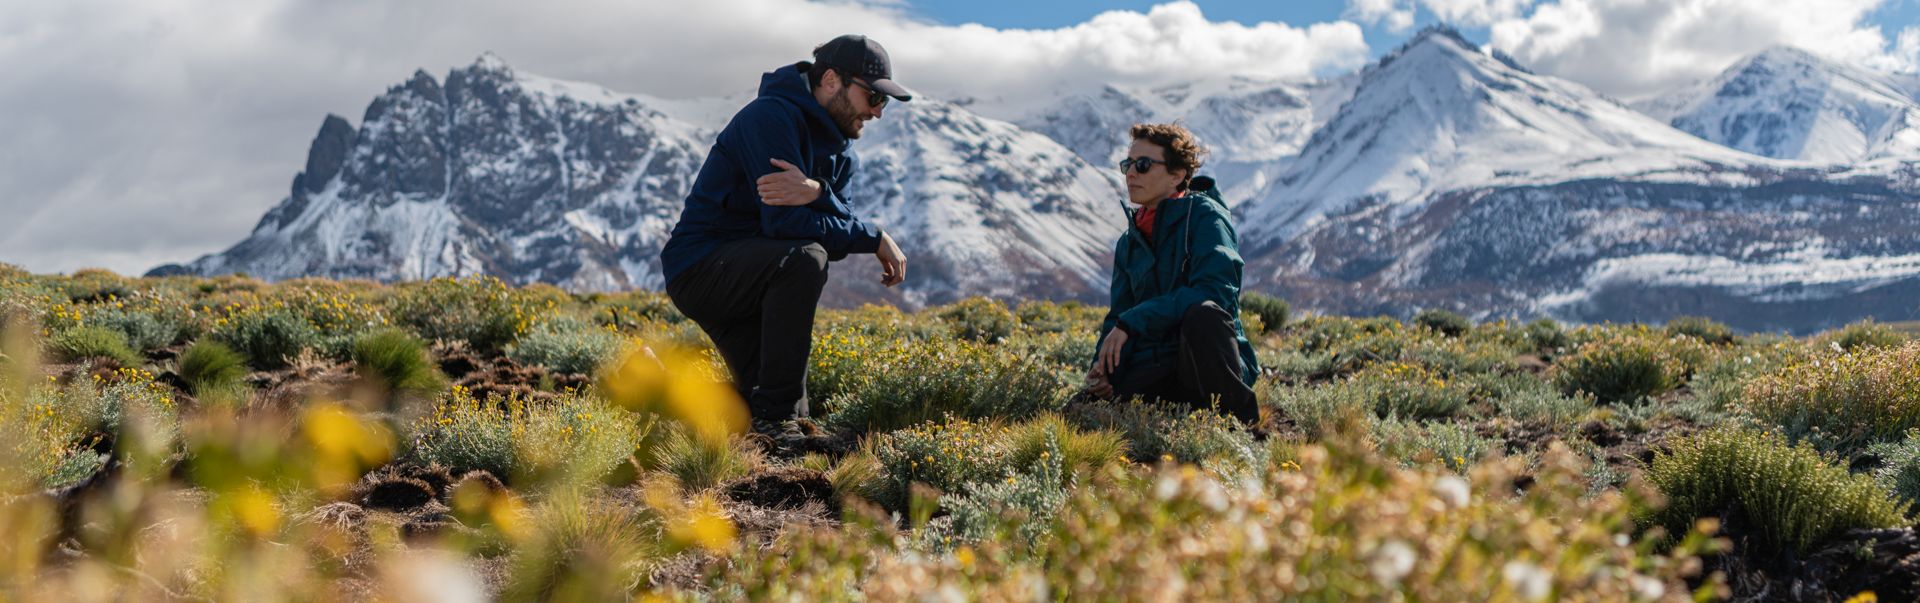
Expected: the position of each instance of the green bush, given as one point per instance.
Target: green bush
(1022, 506)
(480, 311)
(1546, 337)
(1408, 391)
(1703, 329)
(145, 331)
(1863, 334)
(630, 310)
(1619, 369)
(699, 464)
(93, 341)
(1444, 322)
(1411, 443)
(397, 360)
(1841, 401)
(1899, 470)
(213, 370)
(269, 338)
(1079, 452)
(571, 437)
(978, 319)
(1782, 497)
(1065, 317)
(1157, 432)
(1273, 311)
(566, 345)
(945, 455)
(875, 384)
(1533, 401)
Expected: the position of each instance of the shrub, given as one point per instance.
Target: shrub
(872, 384)
(1158, 431)
(1453, 446)
(213, 370)
(1021, 506)
(1065, 317)
(144, 330)
(584, 549)
(1546, 337)
(1078, 452)
(1070, 351)
(1530, 400)
(1899, 470)
(1703, 329)
(269, 338)
(978, 319)
(571, 437)
(480, 311)
(699, 464)
(946, 456)
(1619, 369)
(1273, 311)
(1863, 334)
(1784, 497)
(1841, 401)
(566, 345)
(93, 341)
(1444, 322)
(1408, 391)
(627, 311)
(397, 360)
(1722, 383)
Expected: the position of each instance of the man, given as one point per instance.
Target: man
(1172, 330)
(748, 259)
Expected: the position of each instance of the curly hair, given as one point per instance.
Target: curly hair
(1183, 149)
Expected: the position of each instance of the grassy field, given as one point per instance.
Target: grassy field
(228, 439)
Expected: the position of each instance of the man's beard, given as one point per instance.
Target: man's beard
(844, 115)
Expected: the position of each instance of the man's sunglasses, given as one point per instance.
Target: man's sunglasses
(875, 98)
(1139, 165)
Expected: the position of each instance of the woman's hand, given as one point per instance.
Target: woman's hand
(1108, 360)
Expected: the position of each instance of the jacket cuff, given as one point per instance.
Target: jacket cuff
(825, 189)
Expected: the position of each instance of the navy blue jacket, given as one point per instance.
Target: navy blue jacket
(785, 122)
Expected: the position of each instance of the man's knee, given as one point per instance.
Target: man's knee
(807, 262)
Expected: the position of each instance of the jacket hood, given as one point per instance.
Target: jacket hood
(789, 84)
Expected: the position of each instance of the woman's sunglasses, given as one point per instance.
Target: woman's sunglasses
(1139, 165)
(875, 99)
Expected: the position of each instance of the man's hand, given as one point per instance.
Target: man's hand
(893, 263)
(1108, 360)
(787, 187)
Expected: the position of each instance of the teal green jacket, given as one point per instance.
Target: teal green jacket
(1194, 257)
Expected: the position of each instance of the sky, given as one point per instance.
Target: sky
(142, 132)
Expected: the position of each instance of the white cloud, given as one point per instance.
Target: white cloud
(1398, 15)
(1631, 48)
(148, 131)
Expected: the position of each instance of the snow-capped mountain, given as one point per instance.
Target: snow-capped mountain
(1457, 179)
(1789, 104)
(1441, 176)
(1253, 128)
(537, 180)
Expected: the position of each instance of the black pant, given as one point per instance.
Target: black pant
(755, 298)
(1205, 370)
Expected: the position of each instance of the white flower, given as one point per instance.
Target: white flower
(1167, 486)
(1212, 496)
(1454, 490)
(1647, 588)
(945, 594)
(1256, 538)
(1528, 580)
(1393, 561)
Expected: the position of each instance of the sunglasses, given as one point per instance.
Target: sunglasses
(875, 98)
(1139, 165)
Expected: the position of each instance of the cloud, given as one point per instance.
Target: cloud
(150, 131)
(1631, 48)
(1398, 15)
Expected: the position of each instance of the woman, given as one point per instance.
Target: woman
(1172, 330)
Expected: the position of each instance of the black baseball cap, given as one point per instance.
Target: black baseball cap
(861, 57)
